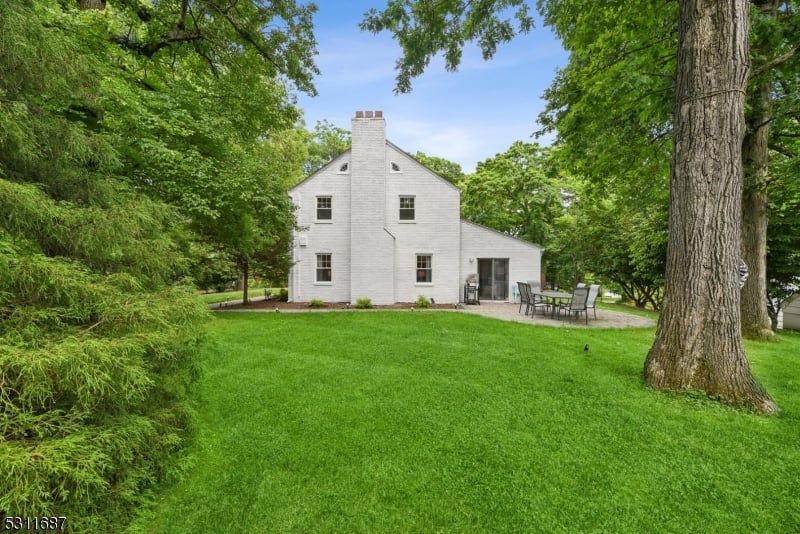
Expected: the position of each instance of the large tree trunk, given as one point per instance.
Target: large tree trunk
(245, 266)
(698, 343)
(756, 323)
(92, 4)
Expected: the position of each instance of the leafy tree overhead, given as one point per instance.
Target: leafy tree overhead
(425, 29)
(226, 36)
(611, 105)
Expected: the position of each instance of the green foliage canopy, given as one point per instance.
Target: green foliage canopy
(515, 192)
(449, 170)
(200, 107)
(327, 142)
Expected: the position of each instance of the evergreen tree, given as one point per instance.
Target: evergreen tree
(96, 331)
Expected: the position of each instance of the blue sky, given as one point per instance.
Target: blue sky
(466, 116)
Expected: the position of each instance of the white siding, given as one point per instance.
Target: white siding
(322, 237)
(434, 230)
(524, 258)
(791, 314)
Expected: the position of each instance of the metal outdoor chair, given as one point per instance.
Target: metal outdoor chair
(535, 290)
(577, 305)
(594, 291)
(524, 297)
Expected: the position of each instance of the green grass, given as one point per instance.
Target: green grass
(227, 296)
(446, 422)
(615, 305)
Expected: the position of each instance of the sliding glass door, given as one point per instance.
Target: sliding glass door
(493, 278)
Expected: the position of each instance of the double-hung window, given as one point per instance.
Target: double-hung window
(324, 208)
(324, 270)
(406, 208)
(424, 269)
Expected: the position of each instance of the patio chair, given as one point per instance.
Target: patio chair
(524, 297)
(594, 291)
(577, 305)
(535, 290)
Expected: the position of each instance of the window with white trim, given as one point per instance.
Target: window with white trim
(407, 208)
(424, 269)
(324, 270)
(324, 208)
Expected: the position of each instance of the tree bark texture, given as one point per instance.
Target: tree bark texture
(92, 4)
(698, 343)
(756, 323)
(245, 267)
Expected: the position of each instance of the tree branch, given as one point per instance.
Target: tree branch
(780, 149)
(769, 65)
(149, 49)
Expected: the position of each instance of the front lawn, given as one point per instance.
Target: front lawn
(449, 422)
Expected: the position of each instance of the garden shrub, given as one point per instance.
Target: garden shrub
(423, 302)
(364, 304)
(316, 303)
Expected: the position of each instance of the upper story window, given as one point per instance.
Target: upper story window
(344, 167)
(324, 208)
(395, 167)
(407, 208)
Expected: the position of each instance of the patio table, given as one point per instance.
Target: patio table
(554, 298)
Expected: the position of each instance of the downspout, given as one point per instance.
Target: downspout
(394, 263)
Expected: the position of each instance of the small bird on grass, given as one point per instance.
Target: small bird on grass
(586, 348)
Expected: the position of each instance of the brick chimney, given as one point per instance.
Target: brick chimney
(370, 244)
(368, 156)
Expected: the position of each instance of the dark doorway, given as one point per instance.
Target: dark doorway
(493, 278)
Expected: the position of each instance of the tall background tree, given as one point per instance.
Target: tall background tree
(204, 118)
(449, 170)
(327, 141)
(774, 60)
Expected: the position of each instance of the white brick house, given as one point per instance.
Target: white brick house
(377, 224)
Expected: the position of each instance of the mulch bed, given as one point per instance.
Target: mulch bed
(279, 305)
